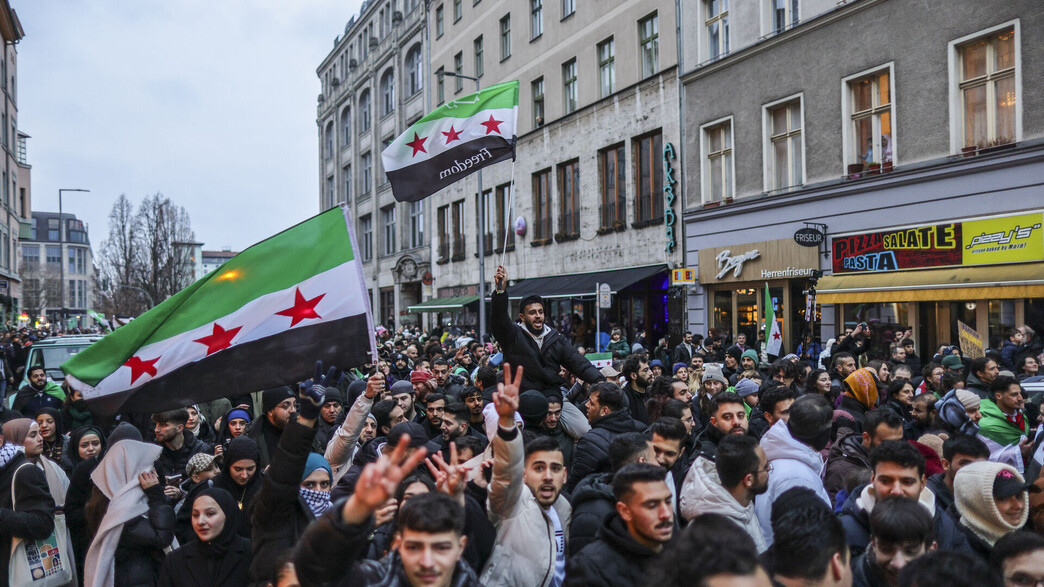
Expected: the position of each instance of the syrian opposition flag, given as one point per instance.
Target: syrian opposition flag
(260, 320)
(773, 336)
(452, 142)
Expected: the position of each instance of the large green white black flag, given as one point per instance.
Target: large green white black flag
(260, 320)
(452, 142)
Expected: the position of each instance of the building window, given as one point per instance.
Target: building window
(329, 150)
(543, 226)
(784, 14)
(330, 196)
(568, 7)
(504, 223)
(536, 18)
(458, 68)
(31, 254)
(414, 71)
(717, 170)
(648, 157)
(607, 67)
(649, 44)
(538, 102)
(364, 111)
(613, 173)
(346, 126)
(54, 256)
(387, 93)
(440, 85)
(367, 170)
(458, 10)
(366, 237)
(870, 125)
(479, 67)
(569, 99)
(458, 230)
(52, 226)
(987, 90)
(388, 222)
(785, 152)
(505, 37)
(485, 233)
(77, 260)
(439, 26)
(444, 235)
(416, 224)
(346, 181)
(717, 28)
(569, 196)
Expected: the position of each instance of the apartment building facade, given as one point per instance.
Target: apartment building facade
(15, 195)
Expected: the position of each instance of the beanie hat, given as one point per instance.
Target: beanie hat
(862, 387)
(656, 363)
(532, 406)
(932, 461)
(333, 394)
(418, 437)
(238, 414)
(968, 399)
(973, 494)
(241, 448)
(933, 441)
(316, 461)
(200, 461)
(734, 352)
(753, 354)
(745, 387)
(676, 366)
(401, 387)
(424, 377)
(273, 396)
(713, 373)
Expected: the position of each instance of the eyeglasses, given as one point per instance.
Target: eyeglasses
(767, 469)
(1023, 580)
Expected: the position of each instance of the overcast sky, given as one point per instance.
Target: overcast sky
(210, 102)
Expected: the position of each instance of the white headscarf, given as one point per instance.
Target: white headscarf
(117, 478)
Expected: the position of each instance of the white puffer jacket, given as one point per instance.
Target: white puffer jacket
(794, 464)
(702, 493)
(524, 552)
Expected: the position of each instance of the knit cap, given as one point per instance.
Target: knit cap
(973, 493)
(532, 406)
(273, 396)
(753, 354)
(969, 400)
(745, 387)
(713, 373)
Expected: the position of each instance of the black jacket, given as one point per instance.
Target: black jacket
(615, 558)
(592, 451)
(636, 404)
(139, 553)
(331, 552)
(541, 364)
(280, 515)
(944, 499)
(174, 461)
(757, 423)
(592, 502)
(189, 567)
(865, 574)
(856, 409)
(856, 522)
(35, 516)
(707, 442)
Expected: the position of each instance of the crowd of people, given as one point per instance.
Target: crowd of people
(457, 460)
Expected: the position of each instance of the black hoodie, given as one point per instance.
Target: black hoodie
(614, 558)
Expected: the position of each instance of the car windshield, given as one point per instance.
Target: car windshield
(52, 357)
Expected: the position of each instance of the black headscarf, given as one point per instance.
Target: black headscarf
(75, 438)
(219, 546)
(240, 448)
(59, 426)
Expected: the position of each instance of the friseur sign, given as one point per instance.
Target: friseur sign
(1016, 238)
(808, 237)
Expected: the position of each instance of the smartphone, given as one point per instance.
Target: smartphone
(174, 480)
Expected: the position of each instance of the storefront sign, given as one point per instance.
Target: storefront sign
(668, 195)
(756, 262)
(988, 241)
(971, 341)
(808, 237)
(685, 276)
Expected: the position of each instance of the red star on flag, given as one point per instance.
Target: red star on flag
(302, 309)
(452, 135)
(776, 336)
(492, 125)
(219, 339)
(139, 367)
(417, 144)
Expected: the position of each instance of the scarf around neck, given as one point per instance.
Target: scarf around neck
(318, 501)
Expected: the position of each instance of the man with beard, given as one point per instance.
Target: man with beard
(403, 393)
(900, 531)
(632, 537)
(536, 347)
(472, 398)
(400, 369)
(728, 486)
(841, 366)
(851, 452)
(178, 446)
(456, 424)
(525, 502)
(39, 393)
(727, 416)
(922, 416)
(958, 451)
(637, 374)
(278, 406)
(433, 411)
(447, 384)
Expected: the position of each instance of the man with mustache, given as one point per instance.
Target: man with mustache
(727, 416)
(632, 537)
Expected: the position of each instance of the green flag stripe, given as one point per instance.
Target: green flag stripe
(502, 95)
(275, 264)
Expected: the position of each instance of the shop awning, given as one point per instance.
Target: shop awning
(443, 304)
(580, 285)
(1025, 280)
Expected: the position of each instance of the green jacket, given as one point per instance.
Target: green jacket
(996, 426)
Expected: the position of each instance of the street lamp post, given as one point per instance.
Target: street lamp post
(61, 248)
(482, 227)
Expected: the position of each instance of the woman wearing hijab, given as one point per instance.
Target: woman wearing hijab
(55, 441)
(130, 520)
(84, 442)
(859, 397)
(199, 427)
(233, 425)
(26, 433)
(241, 478)
(218, 555)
